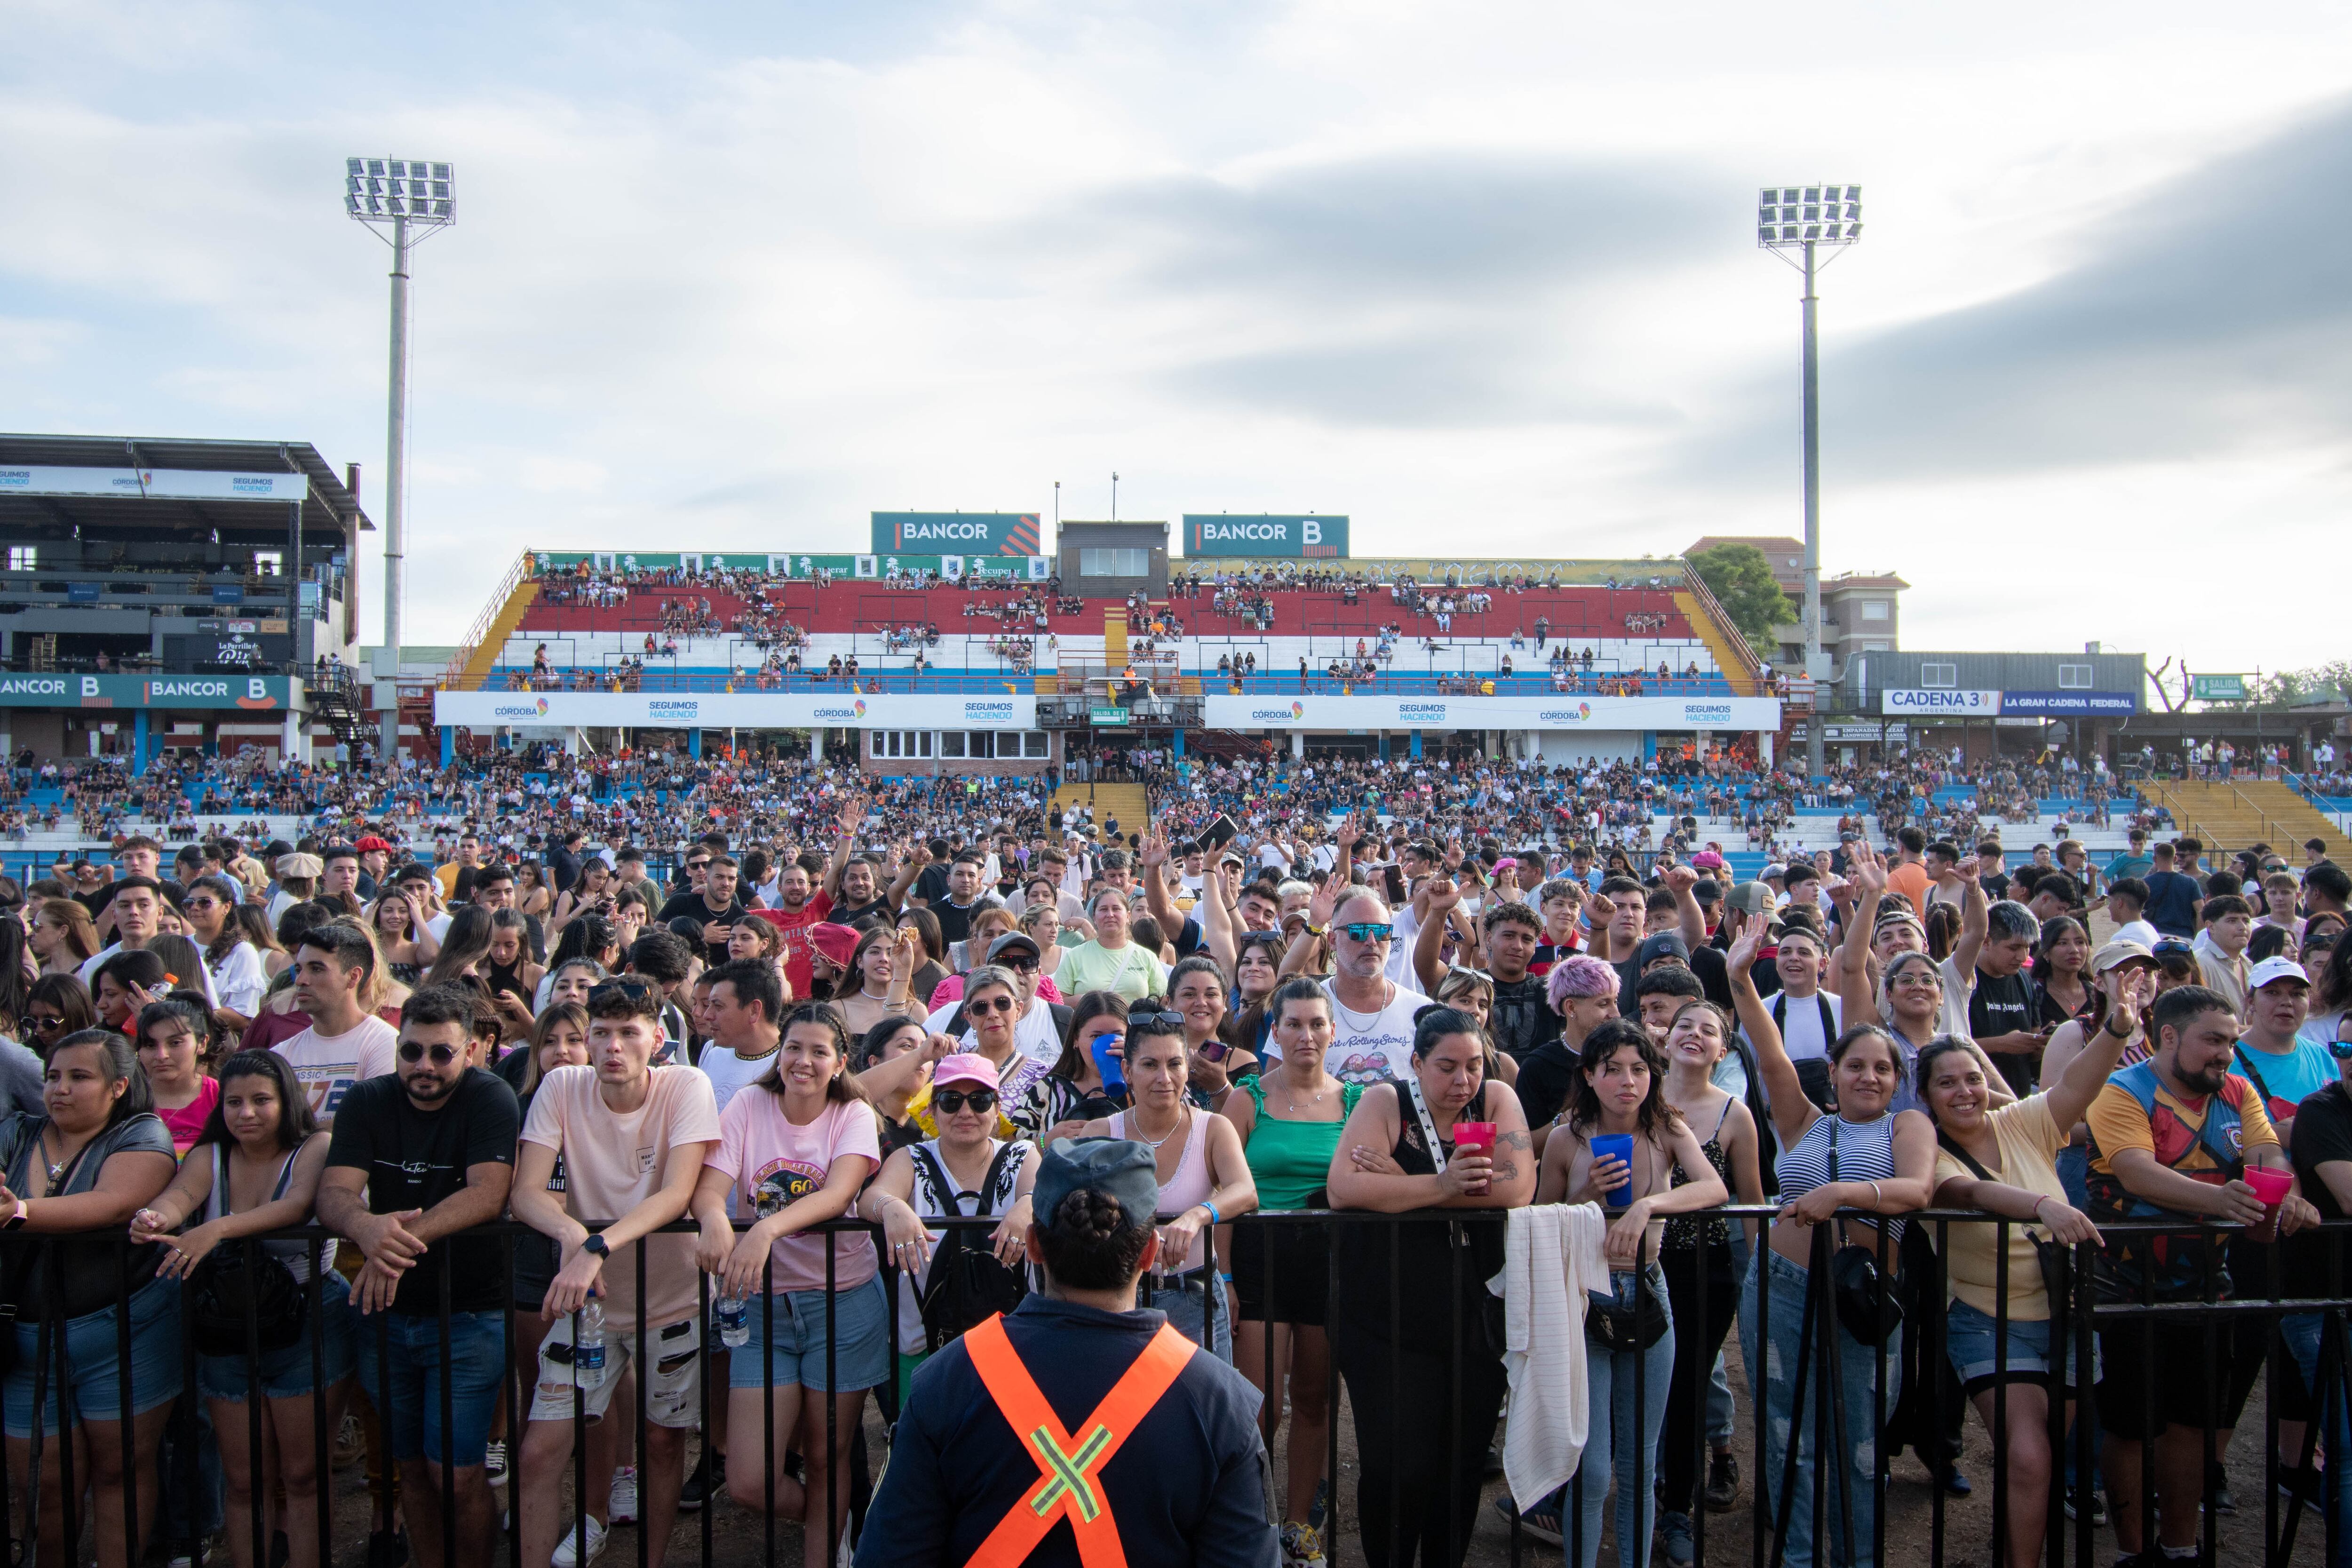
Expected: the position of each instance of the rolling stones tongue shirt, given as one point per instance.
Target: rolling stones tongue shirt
(775, 1164)
(1367, 1048)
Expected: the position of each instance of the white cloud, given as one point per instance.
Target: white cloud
(730, 277)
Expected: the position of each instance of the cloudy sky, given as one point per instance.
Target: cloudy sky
(1482, 275)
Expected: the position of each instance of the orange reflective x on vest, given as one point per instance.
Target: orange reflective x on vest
(1069, 1470)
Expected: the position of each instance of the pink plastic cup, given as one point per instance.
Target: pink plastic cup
(2270, 1186)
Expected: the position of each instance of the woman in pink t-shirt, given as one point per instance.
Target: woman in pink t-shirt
(171, 1036)
(794, 1148)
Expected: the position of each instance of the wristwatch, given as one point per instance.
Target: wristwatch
(18, 1215)
(597, 1244)
(1313, 930)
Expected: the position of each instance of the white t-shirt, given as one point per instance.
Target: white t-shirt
(328, 1065)
(241, 982)
(731, 1074)
(612, 1163)
(774, 1163)
(1957, 989)
(1800, 1024)
(1035, 1036)
(1408, 930)
(1368, 1049)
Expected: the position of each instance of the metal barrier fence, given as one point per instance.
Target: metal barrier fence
(1390, 1355)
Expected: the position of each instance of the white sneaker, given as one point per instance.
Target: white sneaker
(623, 1508)
(566, 1553)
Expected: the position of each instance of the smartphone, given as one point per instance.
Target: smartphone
(1396, 888)
(1220, 832)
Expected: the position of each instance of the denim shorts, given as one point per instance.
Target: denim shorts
(93, 1356)
(411, 1408)
(1969, 1341)
(286, 1374)
(796, 1344)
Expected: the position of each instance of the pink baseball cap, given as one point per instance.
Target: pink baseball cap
(966, 1066)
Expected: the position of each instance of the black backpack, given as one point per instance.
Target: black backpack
(967, 1284)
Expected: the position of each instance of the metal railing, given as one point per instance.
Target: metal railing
(1419, 1378)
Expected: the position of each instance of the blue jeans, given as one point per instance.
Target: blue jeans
(1851, 1485)
(409, 1346)
(94, 1364)
(2302, 1331)
(1631, 1461)
(1193, 1306)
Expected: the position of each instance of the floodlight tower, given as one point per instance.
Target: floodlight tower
(1792, 218)
(413, 199)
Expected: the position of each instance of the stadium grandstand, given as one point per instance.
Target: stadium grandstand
(1566, 658)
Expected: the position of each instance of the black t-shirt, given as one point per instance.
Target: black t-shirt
(415, 1158)
(2323, 1135)
(1521, 1018)
(932, 884)
(1995, 885)
(694, 907)
(1546, 1075)
(955, 920)
(850, 914)
(2007, 1006)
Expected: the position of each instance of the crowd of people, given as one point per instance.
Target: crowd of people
(761, 1063)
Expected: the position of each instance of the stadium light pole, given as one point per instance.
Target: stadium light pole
(1793, 221)
(403, 201)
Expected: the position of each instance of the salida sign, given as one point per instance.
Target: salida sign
(957, 533)
(1266, 534)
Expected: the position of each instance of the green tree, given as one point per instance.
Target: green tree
(1741, 579)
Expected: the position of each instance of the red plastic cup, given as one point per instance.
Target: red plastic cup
(2270, 1186)
(1475, 1137)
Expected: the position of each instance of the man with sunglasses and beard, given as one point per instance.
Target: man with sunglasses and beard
(1371, 1015)
(417, 1159)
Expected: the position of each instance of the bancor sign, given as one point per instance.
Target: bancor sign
(731, 709)
(1288, 535)
(1934, 700)
(957, 533)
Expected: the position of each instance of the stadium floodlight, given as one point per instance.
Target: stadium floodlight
(403, 201)
(1795, 221)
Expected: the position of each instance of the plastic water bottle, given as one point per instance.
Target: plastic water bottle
(588, 1344)
(734, 1316)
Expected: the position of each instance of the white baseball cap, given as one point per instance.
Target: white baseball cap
(2272, 970)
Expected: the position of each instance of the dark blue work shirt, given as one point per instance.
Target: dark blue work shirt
(1190, 1486)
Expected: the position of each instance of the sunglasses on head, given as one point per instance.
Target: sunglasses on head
(1369, 930)
(996, 1005)
(412, 1051)
(1172, 1020)
(951, 1101)
(634, 990)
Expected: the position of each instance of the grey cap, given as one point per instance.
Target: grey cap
(1752, 898)
(1120, 1168)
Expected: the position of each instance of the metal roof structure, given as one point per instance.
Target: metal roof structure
(327, 505)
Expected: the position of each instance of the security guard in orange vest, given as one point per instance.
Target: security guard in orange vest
(1078, 1432)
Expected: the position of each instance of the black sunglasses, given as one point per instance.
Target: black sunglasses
(1000, 1005)
(951, 1101)
(634, 990)
(44, 1023)
(410, 1051)
(1174, 1020)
